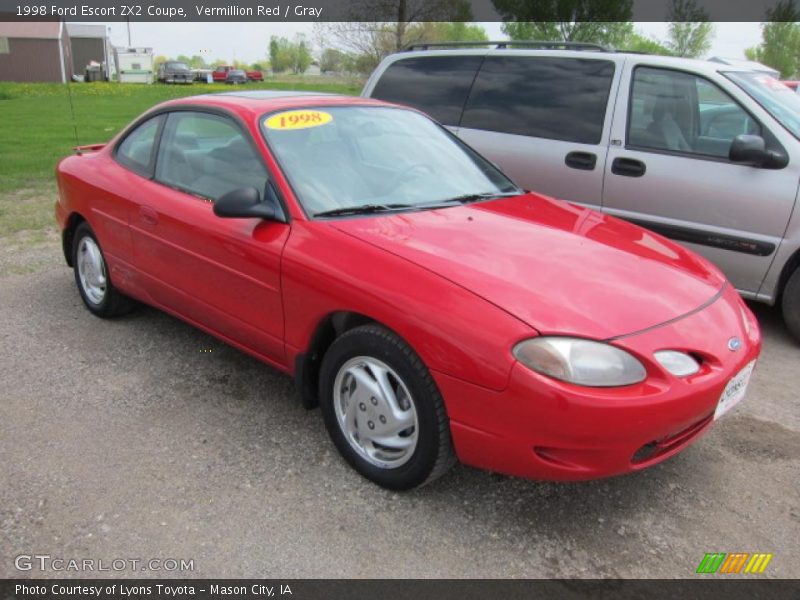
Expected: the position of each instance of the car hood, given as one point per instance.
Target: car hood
(558, 267)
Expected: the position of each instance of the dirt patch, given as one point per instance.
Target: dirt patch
(29, 239)
(757, 440)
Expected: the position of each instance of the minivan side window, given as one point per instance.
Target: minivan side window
(676, 111)
(207, 155)
(437, 85)
(136, 150)
(545, 97)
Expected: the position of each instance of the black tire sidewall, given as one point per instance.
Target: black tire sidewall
(383, 345)
(790, 304)
(83, 230)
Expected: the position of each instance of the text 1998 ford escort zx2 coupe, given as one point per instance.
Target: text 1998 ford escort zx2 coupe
(429, 306)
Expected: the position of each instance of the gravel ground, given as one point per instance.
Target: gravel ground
(144, 438)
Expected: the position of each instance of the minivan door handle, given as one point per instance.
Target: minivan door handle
(584, 161)
(628, 167)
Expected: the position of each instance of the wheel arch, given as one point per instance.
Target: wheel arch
(307, 363)
(67, 235)
(789, 267)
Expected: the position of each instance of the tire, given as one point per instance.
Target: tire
(91, 276)
(791, 304)
(350, 377)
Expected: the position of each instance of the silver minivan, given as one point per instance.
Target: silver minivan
(703, 153)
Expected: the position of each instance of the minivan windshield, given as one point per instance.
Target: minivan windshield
(348, 159)
(777, 99)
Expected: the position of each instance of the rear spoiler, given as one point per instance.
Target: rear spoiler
(88, 148)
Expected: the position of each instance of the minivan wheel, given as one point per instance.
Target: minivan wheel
(791, 304)
(383, 410)
(91, 275)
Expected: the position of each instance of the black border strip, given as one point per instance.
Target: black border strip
(703, 587)
(381, 10)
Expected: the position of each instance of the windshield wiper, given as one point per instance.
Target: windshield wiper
(467, 198)
(364, 209)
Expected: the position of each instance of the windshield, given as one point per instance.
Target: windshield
(777, 99)
(345, 157)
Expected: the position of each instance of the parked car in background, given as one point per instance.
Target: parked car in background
(701, 152)
(172, 71)
(432, 308)
(203, 75)
(236, 77)
(220, 74)
(792, 85)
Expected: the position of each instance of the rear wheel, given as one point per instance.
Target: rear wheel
(91, 275)
(383, 410)
(791, 304)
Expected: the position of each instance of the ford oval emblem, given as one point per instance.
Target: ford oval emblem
(734, 344)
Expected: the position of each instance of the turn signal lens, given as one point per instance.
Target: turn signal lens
(679, 364)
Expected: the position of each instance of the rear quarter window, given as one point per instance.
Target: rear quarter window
(437, 85)
(136, 150)
(553, 98)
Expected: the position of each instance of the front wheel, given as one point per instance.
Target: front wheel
(92, 277)
(383, 410)
(791, 304)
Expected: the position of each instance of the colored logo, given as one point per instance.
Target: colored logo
(734, 563)
(734, 344)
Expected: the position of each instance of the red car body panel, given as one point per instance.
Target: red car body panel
(513, 252)
(543, 429)
(461, 285)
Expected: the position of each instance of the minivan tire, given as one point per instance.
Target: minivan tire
(791, 304)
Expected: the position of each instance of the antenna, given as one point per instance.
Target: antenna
(71, 105)
(72, 111)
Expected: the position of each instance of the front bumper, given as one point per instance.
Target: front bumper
(540, 428)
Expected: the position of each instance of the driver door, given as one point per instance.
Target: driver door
(220, 274)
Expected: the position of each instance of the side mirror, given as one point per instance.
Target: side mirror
(244, 203)
(751, 150)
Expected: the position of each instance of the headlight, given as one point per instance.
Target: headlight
(679, 364)
(578, 361)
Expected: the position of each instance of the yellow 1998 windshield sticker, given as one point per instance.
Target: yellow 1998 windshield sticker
(298, 119)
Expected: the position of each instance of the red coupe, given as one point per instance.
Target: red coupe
(431, 308)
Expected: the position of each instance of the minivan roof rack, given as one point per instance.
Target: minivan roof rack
(502, 44)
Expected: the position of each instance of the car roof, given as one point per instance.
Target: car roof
(255, 103)
(698, 65)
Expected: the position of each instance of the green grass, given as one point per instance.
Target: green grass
(37, 128)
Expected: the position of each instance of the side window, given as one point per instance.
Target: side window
(136, 150)
(553, 98)
(207, 156)
(681, 112)
(437, 85)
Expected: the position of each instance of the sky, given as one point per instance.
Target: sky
(249, 41)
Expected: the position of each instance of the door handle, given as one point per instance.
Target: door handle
(148, 215)
(583, 161)
(628, 167)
